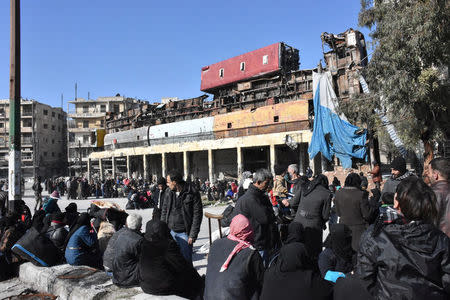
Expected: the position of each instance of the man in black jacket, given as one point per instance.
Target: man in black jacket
(256, 206)
(182, 211)
(126, 253)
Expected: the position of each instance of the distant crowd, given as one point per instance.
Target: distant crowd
(391, 242)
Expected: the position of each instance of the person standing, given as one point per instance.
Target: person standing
(313, 213)
(256, 206)
(37, 188)
(352, 206)
(399, 173)
(439, 174)
(376, 174)
(183, 212)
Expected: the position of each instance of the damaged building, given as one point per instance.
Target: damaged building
(261, 115)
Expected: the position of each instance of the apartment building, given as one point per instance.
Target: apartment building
(44, 142)
(86, 127)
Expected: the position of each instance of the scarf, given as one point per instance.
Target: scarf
(242, 232)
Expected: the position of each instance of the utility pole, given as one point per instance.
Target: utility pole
(14, 172)
(81, 157)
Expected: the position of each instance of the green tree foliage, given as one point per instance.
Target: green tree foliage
(408, 70)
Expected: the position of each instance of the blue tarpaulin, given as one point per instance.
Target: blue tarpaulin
(332, 133)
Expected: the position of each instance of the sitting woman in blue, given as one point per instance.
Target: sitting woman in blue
(82, 244)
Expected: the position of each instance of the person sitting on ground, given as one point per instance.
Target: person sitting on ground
(292, 274)
(50, 205)
(71, 214)
(126, 255)
(105, 232)
(403, 255)
(82, 244)
(162, 268)
(235, 269)
(108, 254)
(338, 254)
(57, 232)
(11, 230)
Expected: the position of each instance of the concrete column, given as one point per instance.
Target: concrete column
(163, 164)
(185, 164)
(89, 168)
(240, 167)
(128, 167)
(145, 164)
(272, 158)
(210, 165)
(302, 164)
(113, 164)
(102, 171)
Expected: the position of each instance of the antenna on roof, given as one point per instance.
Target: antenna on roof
(62, 100)
(75, 91)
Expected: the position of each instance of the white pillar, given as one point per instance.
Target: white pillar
(272, 158)
(210, 165)
(185, 164)
(145, 164)
(101, 170)
(113, 166)
(89, 168)
(239, 162)
(128, 167)
(163, 164)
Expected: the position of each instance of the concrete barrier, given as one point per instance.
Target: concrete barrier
(78, 282)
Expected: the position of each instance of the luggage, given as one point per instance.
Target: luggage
(38, 249)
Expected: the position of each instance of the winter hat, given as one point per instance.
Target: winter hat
(55, 195)
(399, 164)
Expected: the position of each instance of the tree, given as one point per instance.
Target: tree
(408, 70)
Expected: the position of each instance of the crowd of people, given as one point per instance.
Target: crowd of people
(389, 243)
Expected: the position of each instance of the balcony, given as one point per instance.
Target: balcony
(82, 145)
(86, 115)
(76, 129)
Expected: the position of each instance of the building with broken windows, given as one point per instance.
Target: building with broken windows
(44, 147)
(86, 126)
(261, 115)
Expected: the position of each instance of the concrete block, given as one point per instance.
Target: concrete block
(78, 282)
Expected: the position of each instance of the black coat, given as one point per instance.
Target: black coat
(162, 268)
(57, 233)
(191, 209)
(256, 206)
(243, 278)
(108, 255)
(126, 258)
(354, 210)
(410, 261)
(292, 277)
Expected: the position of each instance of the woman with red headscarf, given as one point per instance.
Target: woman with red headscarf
(235, 269)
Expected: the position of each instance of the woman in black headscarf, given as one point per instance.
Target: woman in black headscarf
(162, 268)
(313, 213)
(338, 254)
(292, 275)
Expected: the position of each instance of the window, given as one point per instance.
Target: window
(116, 108)
(45, 112)
(85, 124)
(85, 139)
(53, 114)
(276, 119)
(45, 126)
(45, 153)
(53, 141)
(59, 116)
(166, 134)
(242, 66)
(71, 137)
(221, 71)
(2, 125)
(103, 108)
(265, 59)
(53, 127)
(85, 109)
(102, 123)
(27, 123)
(229, 125)
(137, 138)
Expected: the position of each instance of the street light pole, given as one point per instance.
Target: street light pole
(14, 172)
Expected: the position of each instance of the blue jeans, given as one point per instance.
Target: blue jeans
(182, 240)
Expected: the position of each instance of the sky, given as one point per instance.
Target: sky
(152, 49)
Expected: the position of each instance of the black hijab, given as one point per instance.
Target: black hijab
(340, 241)
(293, 257)
(353, 180)
(83, 220)
(319, 180)
(295, 233)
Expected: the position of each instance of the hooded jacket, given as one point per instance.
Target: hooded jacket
(189, 203)
(256, 206)
(405, 261)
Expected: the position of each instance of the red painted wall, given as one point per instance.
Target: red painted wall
(232, 72)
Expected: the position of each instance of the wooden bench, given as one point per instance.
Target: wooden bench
(218, 218)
